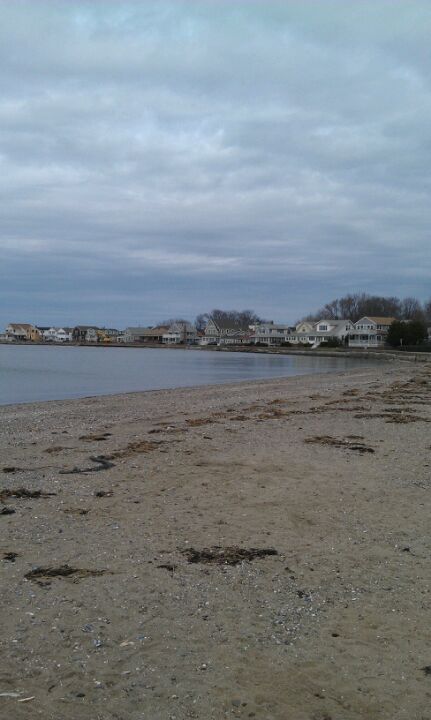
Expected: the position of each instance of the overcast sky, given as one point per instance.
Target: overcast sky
(161, 158)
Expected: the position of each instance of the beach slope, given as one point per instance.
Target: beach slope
(257, 550)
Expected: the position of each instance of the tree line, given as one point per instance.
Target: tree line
(355, 306)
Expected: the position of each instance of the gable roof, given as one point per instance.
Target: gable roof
(378, 320)
(226, 324)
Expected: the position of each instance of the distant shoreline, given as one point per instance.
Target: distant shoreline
(365, 354)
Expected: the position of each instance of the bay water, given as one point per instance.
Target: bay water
(32, 373)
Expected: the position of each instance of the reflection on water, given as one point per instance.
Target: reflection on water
(34, 373)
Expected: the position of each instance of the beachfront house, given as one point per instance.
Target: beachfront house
(64, 334)
(316, 334)
(22, 332)
(333, 330)
(225, 332)
(107, 335)
(85, 334)
(43, 329)
(370, 332)
(151, 335)
(180, 333)
(56, 334)
(269, 333)
(48, 334)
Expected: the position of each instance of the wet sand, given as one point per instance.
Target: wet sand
(258, 550)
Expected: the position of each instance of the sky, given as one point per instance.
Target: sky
(159, 159)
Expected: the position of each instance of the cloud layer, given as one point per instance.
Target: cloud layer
(161, 158)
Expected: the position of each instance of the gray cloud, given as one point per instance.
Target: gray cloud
(165, 157)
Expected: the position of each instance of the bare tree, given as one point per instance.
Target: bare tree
(411, 309)
(240, 319)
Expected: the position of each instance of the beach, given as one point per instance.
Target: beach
(251, 550)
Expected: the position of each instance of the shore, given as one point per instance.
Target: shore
(256, 550)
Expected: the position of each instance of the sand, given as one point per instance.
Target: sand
(134, 589)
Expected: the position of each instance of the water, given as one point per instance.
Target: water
(34, 373)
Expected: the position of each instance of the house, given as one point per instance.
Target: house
(85, 334)
(43, 329)
(64, 334)
(180, 332)
(304, 327)
(23, 332)
(323, 331)
(333, 330)
(370, 332)
(134, 334)
(225, 332)
(48, 334)
(108, 335)
(145, 334)
(268, 333)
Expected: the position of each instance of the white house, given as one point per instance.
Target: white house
(316, 334)
(269, 333)
(180, 332)
(369, 332)
(63, 334)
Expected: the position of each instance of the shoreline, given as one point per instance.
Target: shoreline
(112, 576)
(384, 353)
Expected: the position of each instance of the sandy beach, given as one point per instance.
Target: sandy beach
(258, 550)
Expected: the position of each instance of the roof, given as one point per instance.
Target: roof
(229, 325)
(378, 320)
(24, 326)
(335, 323)
(159, 330)
(146, 331)
(85, 327)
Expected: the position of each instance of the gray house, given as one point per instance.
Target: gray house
(224, 332)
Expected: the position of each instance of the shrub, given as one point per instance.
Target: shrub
(412, 332)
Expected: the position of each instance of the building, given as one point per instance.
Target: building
(269, 333)
(180, 333)
(85, 334)
(107, 335)
(224, 332)
(63, 335)
(370, 332)
(22, 332)
(145, 334)
(316, 334)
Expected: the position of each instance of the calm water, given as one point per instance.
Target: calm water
(30, 374)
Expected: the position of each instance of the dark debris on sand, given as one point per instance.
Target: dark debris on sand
(233, 555)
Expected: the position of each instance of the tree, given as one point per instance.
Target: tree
(171, 321)
(427, 311)
(239, 319)
(411, 309)
(201, 321)
(411, 332)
